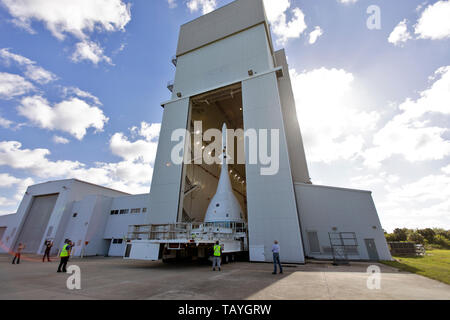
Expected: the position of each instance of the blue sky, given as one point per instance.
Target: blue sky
(81, 84)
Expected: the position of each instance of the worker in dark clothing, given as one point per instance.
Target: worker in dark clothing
(18, 253)
(48, 247)
(65, 254)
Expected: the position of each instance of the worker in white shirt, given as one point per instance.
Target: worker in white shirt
(276, 257)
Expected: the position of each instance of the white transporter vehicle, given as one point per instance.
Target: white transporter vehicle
(224, 222)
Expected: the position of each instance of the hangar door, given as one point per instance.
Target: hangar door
(36, 222)
(2, 232)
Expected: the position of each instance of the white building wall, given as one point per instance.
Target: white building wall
(272, 210)
(223, 62)
(116, 249)
(166, 180)
(89, 225)
(8, 224)
(299, 166)
(68, 191)
(117, 225)
(221, 23)
(55, 187)
(323, 208)
(97, 226)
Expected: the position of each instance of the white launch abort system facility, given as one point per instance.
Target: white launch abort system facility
(228, 72)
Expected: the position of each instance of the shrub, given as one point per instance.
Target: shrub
(427, 233)
(401, 234)
(416, 237)
(391, 237)
(442, 232)
(442, 241)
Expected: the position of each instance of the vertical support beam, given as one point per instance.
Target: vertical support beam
(272, 209)
(293, 134)
(165, 194)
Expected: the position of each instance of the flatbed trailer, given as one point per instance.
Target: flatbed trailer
(181, 241)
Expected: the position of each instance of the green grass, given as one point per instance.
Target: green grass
(435, 265)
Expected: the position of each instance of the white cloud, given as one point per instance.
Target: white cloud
(369, 181)
(78, 18)
(5, 202)
(315, 34)
(74, 116)
(332, 125)
(7, 181)
(283, 29)
(205, 6)
(5, 123)
(9, 56)
(32, 71)
(34, 161)
(90, 51)
(140, 149)
(172, 4)
(150, 131)
(132, 174)
(13, 85)
(143, 150)
(76, 92)
(60, 140)
(434, 22)
(446, 169)
(400, 34)
(38, 74)
(347, 1)
(411, 133)
(422, 203)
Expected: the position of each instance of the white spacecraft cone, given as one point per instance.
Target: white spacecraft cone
(224, 207)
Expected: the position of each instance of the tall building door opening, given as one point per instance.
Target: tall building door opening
(200, 180)
(36, 222)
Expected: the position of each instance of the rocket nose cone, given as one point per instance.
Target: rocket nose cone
(224, 136)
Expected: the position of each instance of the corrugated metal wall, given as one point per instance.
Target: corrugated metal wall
(36, 222)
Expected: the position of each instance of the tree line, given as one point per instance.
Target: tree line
(436, 238)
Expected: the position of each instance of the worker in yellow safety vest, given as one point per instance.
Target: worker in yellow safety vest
(64, 255)
(217, 254)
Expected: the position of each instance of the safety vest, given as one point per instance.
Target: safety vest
(64, 251)
(217, 250)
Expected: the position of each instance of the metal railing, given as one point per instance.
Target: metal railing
(188, 231)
